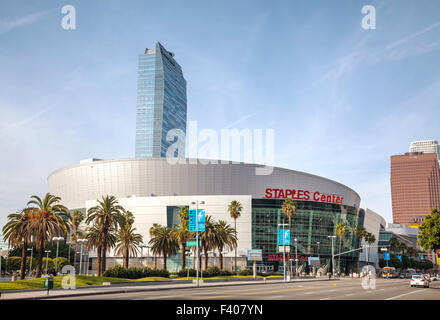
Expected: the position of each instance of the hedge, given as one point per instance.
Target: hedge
(212, 271)
(134, 273)
(14, 264)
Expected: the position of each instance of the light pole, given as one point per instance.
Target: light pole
(296, 257)
(197, 236)
(47, 258)
(68, 243)
(30, 262)
(333, 257)
(284, 248)
(57, 239)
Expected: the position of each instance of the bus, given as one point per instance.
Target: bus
(389, 272)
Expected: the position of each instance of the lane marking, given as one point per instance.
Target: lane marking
(404, 294)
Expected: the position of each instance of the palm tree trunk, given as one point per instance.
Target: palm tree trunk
(235, 258)
(182, 255)
(104, 257)
(125, 258)
(23, 261)
(220, 257)
(205, 249)
(40, 258)
(98, 266)
(288, 264)
(164, 260)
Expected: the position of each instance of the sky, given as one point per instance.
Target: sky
(340, 99)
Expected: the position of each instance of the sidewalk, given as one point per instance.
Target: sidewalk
(97, 290)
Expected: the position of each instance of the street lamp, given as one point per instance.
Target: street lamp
(47, 257)
(197, 236)
(296, 257)
(57, 239)
(82, 241)
(333, 257)
(30, 265)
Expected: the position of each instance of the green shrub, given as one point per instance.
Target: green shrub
(134, 273)
(184, 273)
(213, 271)
(245, 272)
(225, 273)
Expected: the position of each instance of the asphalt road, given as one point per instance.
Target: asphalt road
(347, 289)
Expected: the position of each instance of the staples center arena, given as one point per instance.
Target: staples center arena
(154, 190)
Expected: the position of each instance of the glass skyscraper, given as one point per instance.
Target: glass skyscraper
(161, 104)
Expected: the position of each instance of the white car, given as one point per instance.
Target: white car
(418, 280)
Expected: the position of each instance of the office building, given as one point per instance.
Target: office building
(161, 104)
(415, 187)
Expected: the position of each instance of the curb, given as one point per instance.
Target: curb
(154, 289)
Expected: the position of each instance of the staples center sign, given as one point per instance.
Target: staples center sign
(306, 195)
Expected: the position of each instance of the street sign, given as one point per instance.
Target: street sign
(200, 216)
(255, 255)
(284, 239)
(193, 243)
(386, 256)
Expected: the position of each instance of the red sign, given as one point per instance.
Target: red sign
(302, 195)
(279, 257)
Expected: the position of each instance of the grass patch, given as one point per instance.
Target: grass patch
(81, 281)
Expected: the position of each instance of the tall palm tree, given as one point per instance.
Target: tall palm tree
(208, 238)
(106, 216)
(234, 210)
(370, 238)
(16, 233)
(94, 241)
(341, 231)
(181, 233)
(76, 217)
(127, 240)
(47, 219)
(225, 236)
(289, 208)
(164, 243)
(360, 233)
(403, 248)
(154, 230)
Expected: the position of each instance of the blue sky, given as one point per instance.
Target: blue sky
(341, 99)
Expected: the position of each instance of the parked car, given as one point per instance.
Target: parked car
(419, 280)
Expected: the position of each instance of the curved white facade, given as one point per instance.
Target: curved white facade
(146, 177)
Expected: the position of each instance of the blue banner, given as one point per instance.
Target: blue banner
(200, 220)
(386, 256)
(400, 258)
(283, 239)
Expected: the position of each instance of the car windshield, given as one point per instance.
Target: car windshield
(417, 276)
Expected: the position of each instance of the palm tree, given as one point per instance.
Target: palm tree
(289, 208)
(17, 234)
(154, 230)
(181, 233)
(370, 238)
(164, 243)
(360, 233)
(225, 236)
(341, 231)
(47, 219)
(76, 217)
(208, 238)
(106, 216)
(235, 209)
(94, 241)
(403, 247)
(127, 240)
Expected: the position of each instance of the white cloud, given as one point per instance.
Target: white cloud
(8, 25)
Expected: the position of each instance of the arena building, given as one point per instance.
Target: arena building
(153, 189)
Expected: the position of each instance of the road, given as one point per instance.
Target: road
(346, 289)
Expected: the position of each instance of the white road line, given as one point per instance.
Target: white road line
(325, 299)
(403, 294)
(275, 297)
(350, 294)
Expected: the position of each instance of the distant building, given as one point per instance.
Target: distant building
(415, 187)
(373, 223)
(161, 104)
(425, 146)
